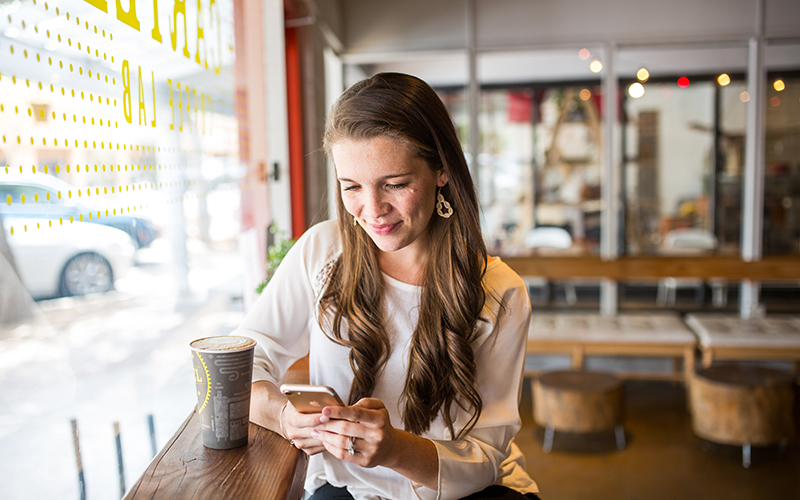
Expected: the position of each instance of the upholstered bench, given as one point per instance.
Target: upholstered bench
(661, 335)
(743, 405)
(724, 336)
(577, 402)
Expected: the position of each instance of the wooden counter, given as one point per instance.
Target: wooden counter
(267, 468)
(633, 268)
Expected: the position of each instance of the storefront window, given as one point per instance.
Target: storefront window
(669, 166)
(727, 204)
(539, 169)
(505, 164)
(782, 165)
(120, 194)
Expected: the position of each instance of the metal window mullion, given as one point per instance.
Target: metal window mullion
(274, 46)
(609, 225)
(753, 185)
(473, 93)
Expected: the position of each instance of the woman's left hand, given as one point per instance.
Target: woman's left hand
(367, 422)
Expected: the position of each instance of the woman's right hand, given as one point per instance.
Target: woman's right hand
(297, 428)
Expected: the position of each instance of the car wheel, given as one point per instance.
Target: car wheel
(86, 273)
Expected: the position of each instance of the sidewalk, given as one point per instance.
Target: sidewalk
(117, 357)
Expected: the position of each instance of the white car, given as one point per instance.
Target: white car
(47, 196)
(67, 259)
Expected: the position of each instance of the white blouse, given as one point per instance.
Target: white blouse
(284, 321)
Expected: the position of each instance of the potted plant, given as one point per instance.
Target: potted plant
(275, 254)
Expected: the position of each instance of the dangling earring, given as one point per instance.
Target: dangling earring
(355, 221)
(443, 207)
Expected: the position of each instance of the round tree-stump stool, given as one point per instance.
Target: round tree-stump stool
(743, 406)
(578, 402)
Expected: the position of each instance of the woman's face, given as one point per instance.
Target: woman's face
(389, 190)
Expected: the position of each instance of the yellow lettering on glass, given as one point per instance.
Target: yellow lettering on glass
(218, 65)
(180, 106)
(156, 34)
(153, 83)
(188, 109)
(141, 100)
(171, 107)
(129, 17)
(200, 35)
(100, 4)
(126, 93)
(180, 8)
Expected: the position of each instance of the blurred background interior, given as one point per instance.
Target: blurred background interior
(629, 157)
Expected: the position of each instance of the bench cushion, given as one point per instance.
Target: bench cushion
(622, 329)
(719, 330)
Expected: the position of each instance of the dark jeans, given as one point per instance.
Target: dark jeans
(495, 492)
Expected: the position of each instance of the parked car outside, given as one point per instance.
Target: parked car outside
(42, 200)
(58, 260)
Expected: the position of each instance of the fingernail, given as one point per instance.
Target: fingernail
(326, 412)
(315, 434)
(323, 419)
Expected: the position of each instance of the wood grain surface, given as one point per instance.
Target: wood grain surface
(632, 268)
(577, 401)
(267, 468)
(738, 404)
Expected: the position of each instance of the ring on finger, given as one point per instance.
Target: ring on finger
(351, 449)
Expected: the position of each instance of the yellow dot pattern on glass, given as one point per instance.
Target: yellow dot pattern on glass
(80, 77)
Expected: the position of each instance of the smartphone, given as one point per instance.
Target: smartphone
(311, 398)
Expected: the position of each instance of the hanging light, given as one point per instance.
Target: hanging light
(642, 75)
(585, 94)
(779, 85)
(723, 79)
(584, 54)
(683, 82)
(744, 96)
(596, 66)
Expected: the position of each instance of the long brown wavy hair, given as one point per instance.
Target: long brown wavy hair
(441, 365)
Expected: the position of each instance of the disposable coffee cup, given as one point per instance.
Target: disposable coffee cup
(223, 372)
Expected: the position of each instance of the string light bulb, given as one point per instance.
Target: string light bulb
(642, 74)
(636, 90)
(596, 66)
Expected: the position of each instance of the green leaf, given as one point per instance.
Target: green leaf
(275, 254)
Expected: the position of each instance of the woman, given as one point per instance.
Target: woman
(401, 312)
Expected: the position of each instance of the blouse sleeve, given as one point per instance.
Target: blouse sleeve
(483, 455)
(280, 318)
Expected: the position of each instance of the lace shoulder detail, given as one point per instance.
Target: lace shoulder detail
(322, 278)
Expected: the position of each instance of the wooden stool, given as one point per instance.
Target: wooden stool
(743, 406)
(577, 401)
